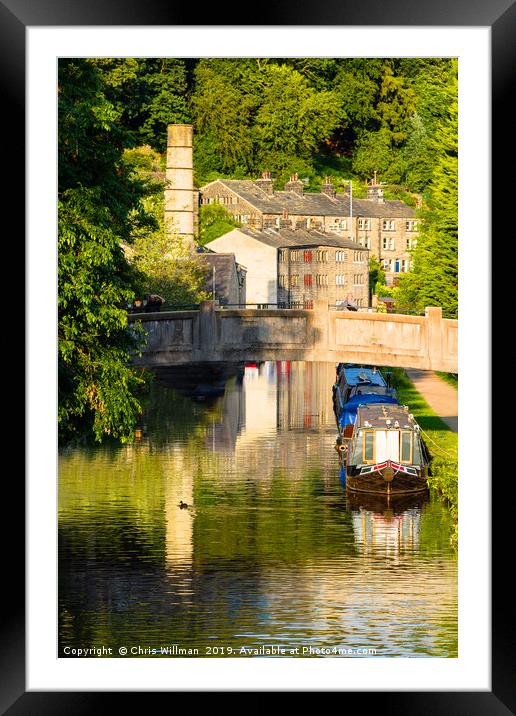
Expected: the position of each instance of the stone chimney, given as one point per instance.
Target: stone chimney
(328, 188)
(295, 185)
(285, 222)
(265, 183)
(181, 199)
(375, 190)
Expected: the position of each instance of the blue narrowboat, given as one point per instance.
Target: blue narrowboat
(379, 441)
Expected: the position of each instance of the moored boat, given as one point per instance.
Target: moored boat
(379, 441)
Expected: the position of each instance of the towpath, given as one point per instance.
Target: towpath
(440, 396)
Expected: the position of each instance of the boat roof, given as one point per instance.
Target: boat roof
(363, 375)
(375, 415)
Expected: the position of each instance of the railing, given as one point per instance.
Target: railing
(299, 305)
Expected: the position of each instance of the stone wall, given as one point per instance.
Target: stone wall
(225, 335)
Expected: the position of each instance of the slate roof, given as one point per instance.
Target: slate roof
(281, 238)
(223, 264)
(313, 203)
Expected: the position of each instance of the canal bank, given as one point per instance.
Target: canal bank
(439, 430)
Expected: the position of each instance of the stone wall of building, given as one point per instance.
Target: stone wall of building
(259, 260)
(323, 273)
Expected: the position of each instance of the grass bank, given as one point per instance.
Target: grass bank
(451, 378)
(442, 443)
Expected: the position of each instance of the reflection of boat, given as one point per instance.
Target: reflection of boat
(385, 504)
(379, 441)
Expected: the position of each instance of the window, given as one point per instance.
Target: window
(388, 243)
(404, 265)
(364, 224)
(339, 225)
(358, 279)
(321, 256)
(295, 256)
(309, 303)
(294, 280)
(282, 280)
(406, 446)
(321, 280)
(340, 256)
(368, 454)
(388, 225)
(385, 264)
(365, 242)
(308, 279)
(308, 257)
(411, 225)
(358, 257)
(411, 243)
(340, 280)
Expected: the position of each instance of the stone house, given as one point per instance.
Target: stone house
(294, 267)
(387, 228)
(225, 278)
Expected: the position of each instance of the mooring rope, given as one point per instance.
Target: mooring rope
(433, 441)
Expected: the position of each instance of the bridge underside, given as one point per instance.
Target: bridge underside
(218, 336)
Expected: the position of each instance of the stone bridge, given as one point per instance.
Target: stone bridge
(217, 335)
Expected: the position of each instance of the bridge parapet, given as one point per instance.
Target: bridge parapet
(214, 335)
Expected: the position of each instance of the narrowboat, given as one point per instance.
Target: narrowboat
(379, 441)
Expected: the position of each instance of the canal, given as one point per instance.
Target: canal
(270, 552)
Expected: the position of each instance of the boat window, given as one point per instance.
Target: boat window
(368, 446)
(406, 446)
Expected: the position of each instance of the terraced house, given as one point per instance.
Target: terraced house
(387, 228)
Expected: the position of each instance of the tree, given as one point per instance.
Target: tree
(99, 206)
(214, 221)
(434, 278)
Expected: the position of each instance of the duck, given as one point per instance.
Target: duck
(182, 505)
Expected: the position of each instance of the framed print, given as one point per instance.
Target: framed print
(470, 666)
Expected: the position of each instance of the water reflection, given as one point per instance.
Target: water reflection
(271, 550)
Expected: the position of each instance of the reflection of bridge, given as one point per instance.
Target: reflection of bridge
(214, 335)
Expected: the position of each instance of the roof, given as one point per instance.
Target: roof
(298, 238)
(377, 415)
(313, 203)
(224, 265)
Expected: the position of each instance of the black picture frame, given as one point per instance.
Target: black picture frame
(15, 17)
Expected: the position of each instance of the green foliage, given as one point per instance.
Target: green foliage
(434, 278)
(214, 221)
(99, 206)
(441, 442)
(376, 275)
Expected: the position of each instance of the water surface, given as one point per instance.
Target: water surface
(271, 551)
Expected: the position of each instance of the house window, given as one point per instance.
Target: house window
(309, 304)
(340, 279)
(411, 225)
(365, 242)
(339, 225)
(294, 280)
(321, 280)
(322, 256)
(358, 257)
(385, 264)
(388, 225)
(388, 243)
(364, 224)
(308, 279)
(404, 265)
(308, 257)
(340, 256)
(358, 279)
